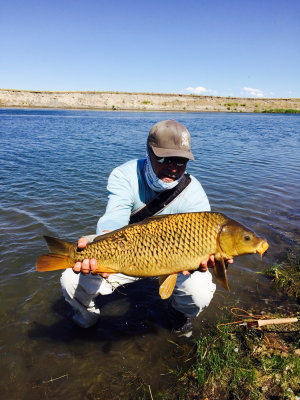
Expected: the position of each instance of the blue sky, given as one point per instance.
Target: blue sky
(223, 48)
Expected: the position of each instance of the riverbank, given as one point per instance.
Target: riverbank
(142, 101)
(232, 360)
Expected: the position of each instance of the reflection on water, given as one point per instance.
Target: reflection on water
(54, 169)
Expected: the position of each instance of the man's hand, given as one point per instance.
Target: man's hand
(87, 266)
(211, 263)
(207, 264)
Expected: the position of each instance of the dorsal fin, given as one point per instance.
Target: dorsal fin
(57, 246)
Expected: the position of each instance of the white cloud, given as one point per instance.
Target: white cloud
(196, 90)
(254, 92)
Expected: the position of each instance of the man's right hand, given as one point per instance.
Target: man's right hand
(87, 265)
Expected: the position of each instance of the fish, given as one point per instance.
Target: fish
(161, 246)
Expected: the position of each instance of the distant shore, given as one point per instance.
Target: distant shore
(125, 101)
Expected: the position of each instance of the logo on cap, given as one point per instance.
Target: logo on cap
(184, 139)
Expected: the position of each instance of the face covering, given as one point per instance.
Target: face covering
(153, 181)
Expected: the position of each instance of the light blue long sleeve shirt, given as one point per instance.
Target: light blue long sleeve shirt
(128, 191)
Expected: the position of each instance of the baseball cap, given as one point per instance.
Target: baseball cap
(170, 139)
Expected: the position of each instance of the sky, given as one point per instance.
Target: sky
(237, 48)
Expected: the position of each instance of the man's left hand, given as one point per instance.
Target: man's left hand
(207, 264)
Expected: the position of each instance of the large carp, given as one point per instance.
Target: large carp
(161, 246)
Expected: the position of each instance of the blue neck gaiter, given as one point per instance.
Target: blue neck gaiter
(153, 181)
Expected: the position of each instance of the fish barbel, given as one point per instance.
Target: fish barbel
(161, 246)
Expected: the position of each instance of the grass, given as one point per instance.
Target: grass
(219, 368)
(282, 111)
(286, 275)
(242, 363)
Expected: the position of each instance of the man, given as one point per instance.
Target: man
(130, 187)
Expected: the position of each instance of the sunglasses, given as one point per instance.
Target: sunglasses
(179, 161)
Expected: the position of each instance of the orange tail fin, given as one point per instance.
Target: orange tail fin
(58, 258)
(52, 262)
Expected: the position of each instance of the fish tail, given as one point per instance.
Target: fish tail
(58, 257)
(52, 262)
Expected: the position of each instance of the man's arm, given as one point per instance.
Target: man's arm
(120, 201)
(117, 214)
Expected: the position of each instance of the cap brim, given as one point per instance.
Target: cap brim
(159, 152)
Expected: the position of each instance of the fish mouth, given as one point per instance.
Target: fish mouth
(263, 246)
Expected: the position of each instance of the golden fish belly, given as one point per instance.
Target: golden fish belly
(158, 246)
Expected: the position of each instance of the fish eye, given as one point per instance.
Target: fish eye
(247, 237)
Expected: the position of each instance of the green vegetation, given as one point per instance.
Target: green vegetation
(146, 102)
(282, 111)
(231, 104)
(286, 275)
(236, 362)
(218, 362)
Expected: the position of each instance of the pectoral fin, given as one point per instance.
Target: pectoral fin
(220, 272)
(166, 285)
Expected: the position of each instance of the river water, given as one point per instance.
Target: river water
(54, 169)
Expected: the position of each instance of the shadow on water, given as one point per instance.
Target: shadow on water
(133, 310)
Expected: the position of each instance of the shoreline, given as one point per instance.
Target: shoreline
(132, 101)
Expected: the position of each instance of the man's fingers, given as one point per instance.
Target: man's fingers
(85, 267)
(77, 267)
(105, 274)
(94, 265)
(82, 242)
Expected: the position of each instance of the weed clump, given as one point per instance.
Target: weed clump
(236, 362)
(286, 275)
